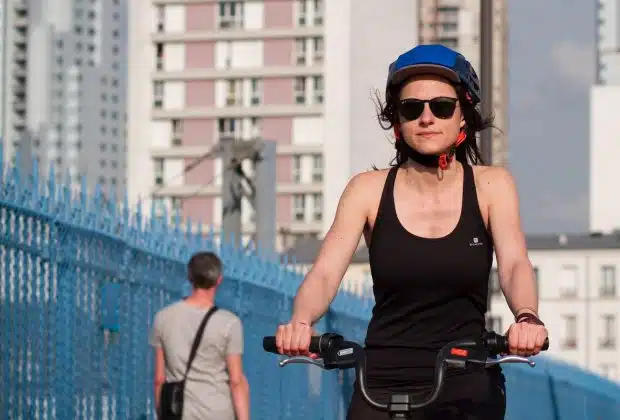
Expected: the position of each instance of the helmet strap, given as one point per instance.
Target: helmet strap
(431, 161)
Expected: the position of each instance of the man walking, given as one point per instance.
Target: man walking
(215, 387)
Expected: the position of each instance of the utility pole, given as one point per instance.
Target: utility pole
(486, 81)
(260, 189)
(486, 75)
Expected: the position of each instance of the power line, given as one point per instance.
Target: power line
(187, 168)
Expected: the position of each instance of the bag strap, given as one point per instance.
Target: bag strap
(198, 338)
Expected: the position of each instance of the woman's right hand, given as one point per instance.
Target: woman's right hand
(293, 339)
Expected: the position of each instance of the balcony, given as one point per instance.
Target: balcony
(569, 343)
(607, 343)
(239, 73)
(21, 22)
(200, 190)
(20, 55)
(20, 6)
(568, 293)
(195, 152)
(237, 35)
(264, 111)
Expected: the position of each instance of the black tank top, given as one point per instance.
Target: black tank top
(427, 291)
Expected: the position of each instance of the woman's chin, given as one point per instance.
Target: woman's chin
(426, 150)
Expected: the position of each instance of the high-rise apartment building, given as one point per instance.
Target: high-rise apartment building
(63, 86)
(299, 72)
(608, 42)
(456, 24)
(604, 204)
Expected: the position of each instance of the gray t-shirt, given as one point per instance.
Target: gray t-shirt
(207, 391)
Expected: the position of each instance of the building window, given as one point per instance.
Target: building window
(318, 12)
(159, 171)
(318, 89)
(299, 207)
(228, 127)
(569, 281)
(158, 94)
(177, 132)
(317, 201)
(296, 169)
(300, 51)
(176, 206)
(159, 56)
(449, 42)
(255, 92)
(255, 127)
(300, 90)
(569, 335)
(609, 370)
(234, 96)
(608, 338)
(494, 286)
(160, 206)
(494, 323)
(608, 281)
(302, 12)
(231, 14)
(161, 17)
(317, 168)
(318, 50)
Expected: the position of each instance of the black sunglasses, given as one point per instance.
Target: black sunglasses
(442, 107)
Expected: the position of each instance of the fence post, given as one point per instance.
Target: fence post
(65, 317)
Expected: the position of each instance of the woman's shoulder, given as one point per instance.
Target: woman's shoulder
(368, 180)
(494, 180)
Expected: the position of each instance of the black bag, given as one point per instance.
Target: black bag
(171, 394)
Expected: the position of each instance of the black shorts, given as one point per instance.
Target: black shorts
(470, 396)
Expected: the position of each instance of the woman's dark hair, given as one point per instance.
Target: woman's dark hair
(387, 114)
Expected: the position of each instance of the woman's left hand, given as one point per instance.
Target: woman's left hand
(526, 339)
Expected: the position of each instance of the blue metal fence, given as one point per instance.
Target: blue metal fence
(81, 278)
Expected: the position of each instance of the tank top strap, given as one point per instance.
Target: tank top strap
(471, 206)
(386, 204)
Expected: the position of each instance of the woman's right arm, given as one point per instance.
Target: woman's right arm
(322, 282)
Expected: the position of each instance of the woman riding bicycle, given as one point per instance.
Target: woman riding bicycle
(431, 224)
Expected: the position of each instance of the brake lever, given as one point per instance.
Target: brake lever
(302, 359)
(509, 359)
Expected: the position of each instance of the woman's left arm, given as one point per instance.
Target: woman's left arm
(516, 275)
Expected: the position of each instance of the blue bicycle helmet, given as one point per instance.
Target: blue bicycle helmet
(436, 59)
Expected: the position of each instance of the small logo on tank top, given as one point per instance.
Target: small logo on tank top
(475, 242)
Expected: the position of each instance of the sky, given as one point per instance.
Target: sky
(551, 46)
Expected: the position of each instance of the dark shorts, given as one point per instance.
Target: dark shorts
(471, 396)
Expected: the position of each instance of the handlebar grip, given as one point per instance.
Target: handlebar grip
(315, 344)
(269, 344)
(502, 344)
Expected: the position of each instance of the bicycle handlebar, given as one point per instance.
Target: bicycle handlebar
(337, 353)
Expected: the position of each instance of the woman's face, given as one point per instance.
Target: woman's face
(430, 128)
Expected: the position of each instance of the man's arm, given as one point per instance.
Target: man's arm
(239, 387)
(156, 341)
(160, 374)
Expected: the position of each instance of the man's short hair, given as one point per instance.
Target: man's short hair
(204, 269)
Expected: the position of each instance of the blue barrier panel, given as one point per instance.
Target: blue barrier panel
(81, 278)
